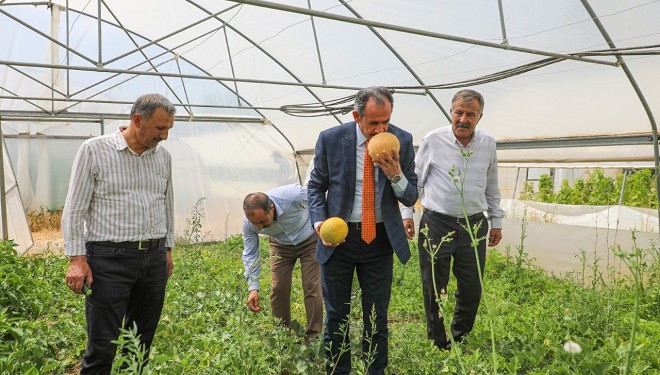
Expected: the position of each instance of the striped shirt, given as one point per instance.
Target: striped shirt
(438, 154)
(118, 195)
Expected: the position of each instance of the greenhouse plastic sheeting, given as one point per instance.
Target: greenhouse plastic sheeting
(612, 217)
(244, 62)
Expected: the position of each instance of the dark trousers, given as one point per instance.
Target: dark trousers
(129, 286)
(282, 260)
(468, 291)
(373, 264)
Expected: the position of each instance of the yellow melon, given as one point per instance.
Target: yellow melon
(334, 230)
(383, 141)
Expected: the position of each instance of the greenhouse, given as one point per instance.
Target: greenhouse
(571, 88)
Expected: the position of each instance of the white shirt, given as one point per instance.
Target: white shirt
(118, 195)
(438, 154)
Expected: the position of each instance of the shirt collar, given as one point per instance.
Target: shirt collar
(361, 138)
(278, 210)
(457, 142)
(118, 139)
(121, 144)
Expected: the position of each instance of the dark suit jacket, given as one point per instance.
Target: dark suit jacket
(334, 173)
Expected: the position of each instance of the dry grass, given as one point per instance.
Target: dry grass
(45, 219)
(46, 228)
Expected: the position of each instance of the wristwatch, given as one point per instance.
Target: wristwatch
(397, 178)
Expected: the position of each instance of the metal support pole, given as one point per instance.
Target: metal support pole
(3, 198)
(640, 96)
(316, 41)
(99, 21)
(623, 185)
(410, 30)
(505, 41)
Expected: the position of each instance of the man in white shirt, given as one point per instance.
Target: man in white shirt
(440, 165)
(118, 226)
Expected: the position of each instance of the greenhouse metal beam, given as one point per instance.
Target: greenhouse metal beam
(49, 38)
(3, 198)
(582, 141)
(316, 42)
(155, 41)
(126, 102)
(192, 76)
(37, 80)
(640, 95)
(90, 116)
(563, 142)
(402, 60)
(410, 30)
(505, 40)
(167, 84)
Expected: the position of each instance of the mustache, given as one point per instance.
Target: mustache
(464, 125)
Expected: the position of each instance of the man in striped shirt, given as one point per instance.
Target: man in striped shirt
(118, 229)
(454, 194)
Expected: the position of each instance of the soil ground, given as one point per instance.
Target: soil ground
(47, 241)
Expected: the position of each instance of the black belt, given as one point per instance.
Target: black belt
(357, 225)
(135, 245)
(473, 219)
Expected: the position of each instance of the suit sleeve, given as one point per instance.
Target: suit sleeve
(318, 183)
(407, 161)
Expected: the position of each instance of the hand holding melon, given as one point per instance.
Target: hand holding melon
(383, 142)
(384, 151)
(333, 231)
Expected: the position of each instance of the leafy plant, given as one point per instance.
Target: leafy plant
(597, 190)
(192, 233)
(206, 328)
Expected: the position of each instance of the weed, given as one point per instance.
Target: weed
(45, 219)
(192, 233)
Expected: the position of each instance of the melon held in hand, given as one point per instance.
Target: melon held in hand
(383, 141)
(334, 230)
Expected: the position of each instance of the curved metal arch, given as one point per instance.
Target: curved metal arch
(220, 82)
(273, 58)
(638, 91)
(400, 58)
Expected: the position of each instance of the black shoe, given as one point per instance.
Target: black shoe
(443, 345)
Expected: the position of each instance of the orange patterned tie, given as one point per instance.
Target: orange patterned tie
(368, 201)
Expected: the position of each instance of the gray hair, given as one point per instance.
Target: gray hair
(467, 96)
(377, 93)
(257, 201)
(147, 104)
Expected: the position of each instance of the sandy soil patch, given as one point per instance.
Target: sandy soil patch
(47, 242)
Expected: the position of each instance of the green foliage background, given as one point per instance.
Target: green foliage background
(597, 190)
(207, 329)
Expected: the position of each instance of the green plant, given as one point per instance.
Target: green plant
(192, 233)
(473, 230)
(634, 260)
(597, 190)
(206, 328)
(546, 189)
(132, 358)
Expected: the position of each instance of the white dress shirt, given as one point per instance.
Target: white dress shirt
(438, 154)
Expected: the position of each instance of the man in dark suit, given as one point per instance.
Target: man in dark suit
(339, 170)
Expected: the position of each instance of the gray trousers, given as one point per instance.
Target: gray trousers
(282, 260)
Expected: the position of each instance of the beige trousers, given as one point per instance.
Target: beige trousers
(282, 260)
